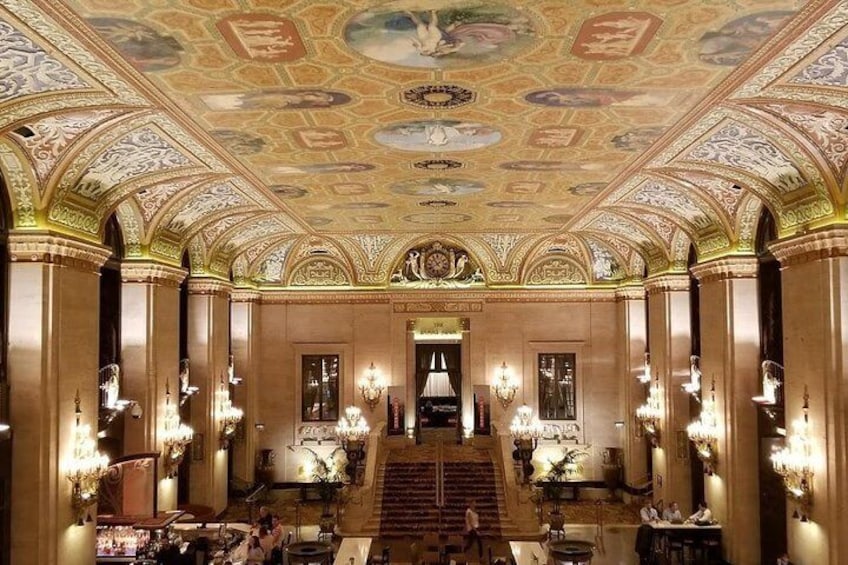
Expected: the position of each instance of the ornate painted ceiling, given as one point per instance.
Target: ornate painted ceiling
(418, 143)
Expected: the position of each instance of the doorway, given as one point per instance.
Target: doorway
(438, 390)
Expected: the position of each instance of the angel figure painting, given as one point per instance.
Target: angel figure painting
(440, 33)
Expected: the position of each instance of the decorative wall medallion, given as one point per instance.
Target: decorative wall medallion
(317, 221)
(437, 135)
(437, 96)
(424, 34)
(525, 187)
(437, 164)
(554, 137)
(737, 39)
(437, 265)
(287, 191)
(615, 35)
(322, 168)
(556, 271)
(436, 218)
(558, 218)
(597, 97)
(319, 272)
(262, 37)
(360, 206)
(276, 99)
(587, 188)
(239, 142)
(437, 187)
(144, 47)
(511, 204)
(637, 139)
(350, 189)
(321, 139)
(437, 203)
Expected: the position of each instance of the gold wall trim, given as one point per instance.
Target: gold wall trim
(57, 250)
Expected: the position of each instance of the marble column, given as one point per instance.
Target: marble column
(632, 338)
(208, 350)
(53, 342)
(815, 337)
(730, 355)
(245, 337)
(150, 358)
(670, 342)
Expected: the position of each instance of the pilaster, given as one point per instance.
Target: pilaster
(53, 298)
(246, 328)
(730, 344)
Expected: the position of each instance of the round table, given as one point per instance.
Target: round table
(310, 552)
(572, 552)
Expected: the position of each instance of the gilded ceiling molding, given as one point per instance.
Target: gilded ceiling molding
(436, 306)
(150, 272)
(208, 286)
(246, 295)
(670, 282)
(746, 222)
(319, 271)
(808, 247)
(288, 296)
(630, 292)
(129, 220)
(44, 247)
(20, 184)
(555, 270)
(739, 267)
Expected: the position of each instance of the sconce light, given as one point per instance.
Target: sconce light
(795, 464)
(230, 416)
(260, 426)
(693, 387)
(772, 380)
(371, 387)
(86, 467)
(175, 437)
(186, 389)
(645, 377)
(352, 431)
(648, 415)
(526, 431)
(231, 372)
(505, 386)
(111, 404)
(703, 432)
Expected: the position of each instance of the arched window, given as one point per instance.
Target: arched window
(5, 431)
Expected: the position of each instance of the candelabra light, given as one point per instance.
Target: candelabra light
(371, 387)
(505, 386)
(703, 432)
(648, 415)
(526, 432)
(175, 438)
(645, 377)
(352, 431)
(86, 467)
(693, 387)
(794, 463)
(230, 416)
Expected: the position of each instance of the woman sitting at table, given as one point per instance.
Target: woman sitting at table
(702, 516)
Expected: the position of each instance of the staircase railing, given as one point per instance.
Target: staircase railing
(519, 504)
(440, 483)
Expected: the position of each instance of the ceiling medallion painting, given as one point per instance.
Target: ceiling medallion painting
(437, 135)
(275, 99)
(437, 265)
(287, 191)
(141, 45)
(262, 37)
(587, 188)
(599, 97)
(440, 34)
(436, 218)
(737, 39)
(320, 139)
(435, 186)
(554, 137)
(615, 35)
(437, 203)
(637, 139)
(437, 164)
(322, 168)
(239, 142)
(437, 96)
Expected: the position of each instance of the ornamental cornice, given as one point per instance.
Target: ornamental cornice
(630, 292)
(741, 267)
(460, 300)
(209, 287)
(246, 295)
(824, 244)
(671, 282)
(41, 247)
(150, 272)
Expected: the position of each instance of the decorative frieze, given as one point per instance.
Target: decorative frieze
(437, 306)
(246, 295)
(55, 250)
(630, 292)
(671, 282)
(743, 267)
(209, 287)
(149, 272)
(832, 242)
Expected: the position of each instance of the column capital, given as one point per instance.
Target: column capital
(151, 272)
(808, 247)
(630, 292)
(209, 286)
(43, 247)
(741, 267)
(246, 295)
(669, 282)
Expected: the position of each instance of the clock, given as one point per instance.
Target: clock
(437, 264)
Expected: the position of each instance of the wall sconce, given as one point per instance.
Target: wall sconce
(230, 416)
(693, 387)
(648, 415)
(186, 389)
(795, 464)
(526, 431)
(231, 372)
(772, 381)
(86, 467)
(353, 430)
(371, 387)
(703, 432)
(645, 377)
(175, 437)
(505, 386)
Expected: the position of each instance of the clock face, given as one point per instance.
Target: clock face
(437, 264)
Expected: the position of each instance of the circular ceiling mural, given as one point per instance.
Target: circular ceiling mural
(440, 33)
(437, 96)
(436, 218)
(437, 186)
(437, 164)
(437, 135)
(437, 203)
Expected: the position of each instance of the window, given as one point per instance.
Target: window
(557, 386)
(320, 388)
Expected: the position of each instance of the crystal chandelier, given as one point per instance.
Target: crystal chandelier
(648, 415)
(526, 432)
(703, 432)
(353, 430)
(645, 377)
(371, 387)
(505, 386)
(175, 437)
(230, 416)
(86, 467)
(795, 464)
(693, 387)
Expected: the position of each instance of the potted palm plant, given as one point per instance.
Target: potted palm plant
(560, 471)
(327, 473)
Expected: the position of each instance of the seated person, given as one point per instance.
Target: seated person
(648, 513)
(672, 514)
(265, 517)
(702, 516)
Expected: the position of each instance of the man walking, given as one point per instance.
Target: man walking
(472, 526)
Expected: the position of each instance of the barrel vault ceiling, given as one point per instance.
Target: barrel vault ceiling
(312, 143)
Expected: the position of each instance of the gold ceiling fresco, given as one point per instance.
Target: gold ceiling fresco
(555, 143)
